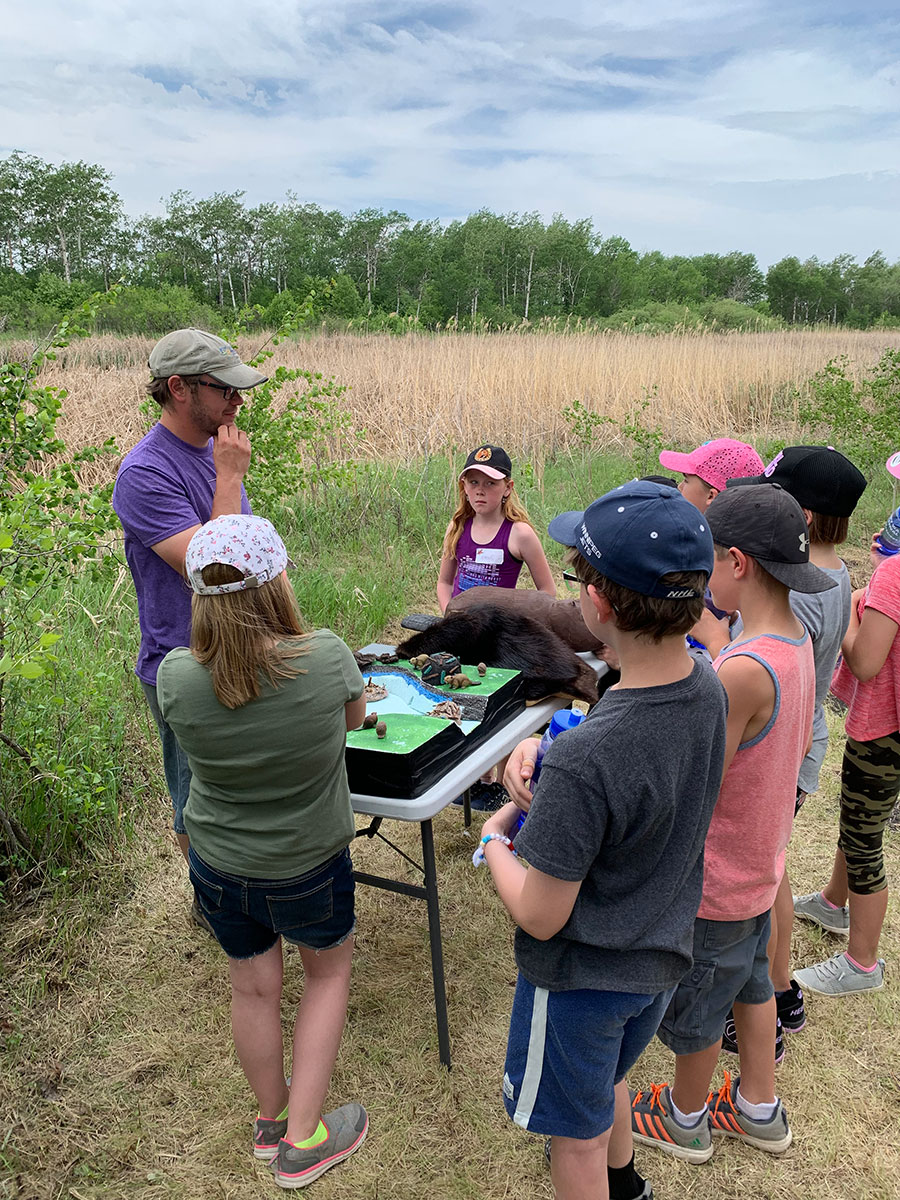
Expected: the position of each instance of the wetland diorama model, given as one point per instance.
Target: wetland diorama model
(424, 717)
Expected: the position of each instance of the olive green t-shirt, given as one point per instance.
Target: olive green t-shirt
(269, 796)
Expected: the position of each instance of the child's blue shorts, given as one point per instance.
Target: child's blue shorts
(567, 1051)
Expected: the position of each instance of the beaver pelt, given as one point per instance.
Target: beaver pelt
(501, 638)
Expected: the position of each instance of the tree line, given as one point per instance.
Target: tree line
(64, 233)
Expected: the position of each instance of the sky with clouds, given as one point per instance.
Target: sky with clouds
(762, 125)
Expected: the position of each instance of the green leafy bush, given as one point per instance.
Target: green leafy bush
(862, 417)
(301, 436)
(52, 529)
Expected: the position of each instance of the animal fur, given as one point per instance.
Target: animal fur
(501, 638)
(562, 617)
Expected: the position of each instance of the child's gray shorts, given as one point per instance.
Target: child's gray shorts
(730, 963)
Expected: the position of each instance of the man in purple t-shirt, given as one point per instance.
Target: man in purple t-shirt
(188, 469)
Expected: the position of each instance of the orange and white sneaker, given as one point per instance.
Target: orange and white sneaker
(653, 1124)
(726, 1119)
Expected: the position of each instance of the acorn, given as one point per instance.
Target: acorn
(381, 729)
(370, 720)
(482, 669)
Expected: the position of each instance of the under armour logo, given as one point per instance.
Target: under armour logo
(804, 542)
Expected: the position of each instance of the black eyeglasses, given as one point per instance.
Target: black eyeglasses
(573, 580)
(227, 392)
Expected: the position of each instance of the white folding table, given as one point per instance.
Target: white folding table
(422, 808)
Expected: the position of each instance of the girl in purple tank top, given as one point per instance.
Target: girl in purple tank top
(489, 535)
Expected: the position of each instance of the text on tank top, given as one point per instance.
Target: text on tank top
(490, 565)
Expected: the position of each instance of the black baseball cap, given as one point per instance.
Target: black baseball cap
(819, 478)
(637, 534)
(767, 523)
(492, 460)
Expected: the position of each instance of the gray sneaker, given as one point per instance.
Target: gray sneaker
(837, 976)
(813, 908)
(267, 1134)
(347, 1128)
(726, 1119)
(653, 1124)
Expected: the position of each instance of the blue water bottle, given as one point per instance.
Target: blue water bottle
(888, 541)
(563, 719)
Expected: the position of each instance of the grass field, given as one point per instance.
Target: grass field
(119, 1079)
(418, 395)
(117, 1075)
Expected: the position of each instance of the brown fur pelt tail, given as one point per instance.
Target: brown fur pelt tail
(501, 638)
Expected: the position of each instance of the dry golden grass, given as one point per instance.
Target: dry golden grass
(419, 394)
(119, 1078)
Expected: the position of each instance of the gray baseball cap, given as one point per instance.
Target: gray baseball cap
(193, 352)
(767, 523)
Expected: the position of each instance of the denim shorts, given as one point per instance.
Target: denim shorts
(730, 964)
(248, 916)
(568, 1050)
(175, 763)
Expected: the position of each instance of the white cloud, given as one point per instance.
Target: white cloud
(724, 127)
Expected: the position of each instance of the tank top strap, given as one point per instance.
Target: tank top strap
(501, 538)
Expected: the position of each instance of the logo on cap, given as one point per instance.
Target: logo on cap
(483, 455)
(770, 469)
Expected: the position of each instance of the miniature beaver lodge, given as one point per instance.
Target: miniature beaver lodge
(447, 708)
(501, 637)
(374, 691)
(438, 668)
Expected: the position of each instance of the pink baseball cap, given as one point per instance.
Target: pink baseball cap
(716, 462)
(893, 464)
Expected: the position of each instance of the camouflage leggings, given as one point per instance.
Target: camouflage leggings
(870, 781)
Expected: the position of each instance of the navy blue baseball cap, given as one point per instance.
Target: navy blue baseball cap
(636, 534)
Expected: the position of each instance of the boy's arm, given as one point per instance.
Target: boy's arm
(537, 902)
(751, 701)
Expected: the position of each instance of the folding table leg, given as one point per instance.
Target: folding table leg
(434, 938)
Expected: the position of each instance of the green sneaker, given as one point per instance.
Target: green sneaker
(295, 1167)
(837, 976)
(652, 1124)
(774, 1136)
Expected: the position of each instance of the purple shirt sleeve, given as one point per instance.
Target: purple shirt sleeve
(150, 508)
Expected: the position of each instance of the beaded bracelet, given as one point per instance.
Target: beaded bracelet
(478, 856)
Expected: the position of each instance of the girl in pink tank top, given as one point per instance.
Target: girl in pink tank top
(490, 534)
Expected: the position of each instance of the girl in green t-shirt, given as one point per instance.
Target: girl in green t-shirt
(261, 709)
